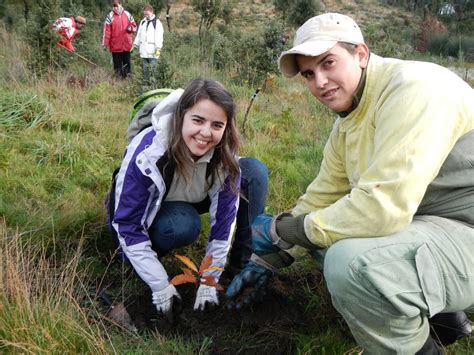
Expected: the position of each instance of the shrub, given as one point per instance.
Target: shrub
(445, 45)
(135, 7)
(302, 10)
(40, 36)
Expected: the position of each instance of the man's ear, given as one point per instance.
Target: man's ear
(362, 53)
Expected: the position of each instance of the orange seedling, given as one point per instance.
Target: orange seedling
(194, 275)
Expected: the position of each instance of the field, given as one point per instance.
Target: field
(62, 133)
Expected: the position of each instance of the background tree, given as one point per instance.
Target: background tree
(40, 36)
(297, 12)
(302, 10)
(209, 10)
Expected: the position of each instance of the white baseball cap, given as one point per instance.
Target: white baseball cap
(318, 35)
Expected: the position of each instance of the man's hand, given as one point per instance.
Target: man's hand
(267, 258)
(163, 300)
(157, 54)
(252, 275)
(206, 298)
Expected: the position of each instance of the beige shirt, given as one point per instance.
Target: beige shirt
(198, 187)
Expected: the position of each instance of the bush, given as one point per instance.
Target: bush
(250, 57)
(303, 10)
(135, 7)
(445, 45)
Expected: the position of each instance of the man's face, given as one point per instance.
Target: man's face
(148, 14)
(333, 76)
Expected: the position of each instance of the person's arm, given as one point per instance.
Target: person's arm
(137, 41)
(107, 31)
(222, 214)
(159, 34)
(131, 22)
(134, 194)
(415, 129)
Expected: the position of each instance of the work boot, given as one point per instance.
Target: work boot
(429, 348)
(447, 328)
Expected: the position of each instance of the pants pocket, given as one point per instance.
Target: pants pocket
(431, 281)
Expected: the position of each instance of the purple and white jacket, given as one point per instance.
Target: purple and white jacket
(139, 191)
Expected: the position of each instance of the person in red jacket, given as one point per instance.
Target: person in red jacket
(67, 28)
(118, 28)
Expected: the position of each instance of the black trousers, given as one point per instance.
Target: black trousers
(122, 65)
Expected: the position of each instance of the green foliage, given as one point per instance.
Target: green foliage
(297, 12)
(55, 174)
(283, 7)
(248, 57)
(227, 10)
(453, 46)
(209, 10)
(302, 10)
(22, 110)
(98, 93)
(40, 36)
(135, 7)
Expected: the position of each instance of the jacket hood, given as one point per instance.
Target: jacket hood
(163, 114)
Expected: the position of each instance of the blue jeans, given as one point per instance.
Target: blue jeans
(178, 223)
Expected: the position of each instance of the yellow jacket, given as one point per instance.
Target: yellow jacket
(380, 159)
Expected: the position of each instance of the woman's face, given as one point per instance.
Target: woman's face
(203, 127)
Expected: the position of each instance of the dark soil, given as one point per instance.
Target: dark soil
(268, 327)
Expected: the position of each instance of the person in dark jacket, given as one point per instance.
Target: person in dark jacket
(117, 37)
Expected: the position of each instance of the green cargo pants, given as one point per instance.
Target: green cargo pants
(387, 287)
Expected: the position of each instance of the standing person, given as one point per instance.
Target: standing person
(149, 41)
(68, 28)
(117, 38)
(390, 214)
(183, 166)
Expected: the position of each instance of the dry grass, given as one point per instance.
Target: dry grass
(39, 301)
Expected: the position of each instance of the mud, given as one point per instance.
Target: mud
(270, 326)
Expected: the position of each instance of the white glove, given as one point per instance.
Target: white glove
(163, 300)
(206, 295)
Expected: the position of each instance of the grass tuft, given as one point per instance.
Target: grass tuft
(23, 110)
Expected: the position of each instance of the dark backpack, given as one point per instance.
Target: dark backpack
(148, 22)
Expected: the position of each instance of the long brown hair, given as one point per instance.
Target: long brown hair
(224, 156)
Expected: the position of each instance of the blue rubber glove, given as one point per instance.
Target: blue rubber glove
(252, 275)
(265, 260)
(262, 242)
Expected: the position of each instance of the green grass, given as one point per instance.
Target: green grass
(59, 143)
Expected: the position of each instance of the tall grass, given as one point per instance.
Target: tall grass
(58, 149)
(39, 302)
(22, 110)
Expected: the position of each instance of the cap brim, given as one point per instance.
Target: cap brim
(287, 61)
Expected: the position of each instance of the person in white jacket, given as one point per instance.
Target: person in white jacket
(149, 41)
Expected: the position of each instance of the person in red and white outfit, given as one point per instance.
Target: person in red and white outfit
(67, 28)
(117, 38)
